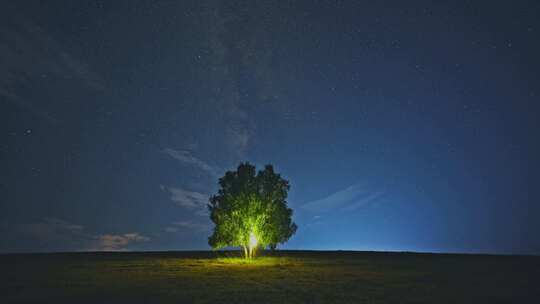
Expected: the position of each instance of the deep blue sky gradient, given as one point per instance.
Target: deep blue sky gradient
(401, 126)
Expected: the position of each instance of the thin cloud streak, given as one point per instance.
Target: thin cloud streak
(61, 235)
(187, 158)
(186, 198)
(348, 199)
(187, 225)
(43, 60)
(118, 242)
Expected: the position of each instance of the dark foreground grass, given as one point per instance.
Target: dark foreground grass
(283, 277)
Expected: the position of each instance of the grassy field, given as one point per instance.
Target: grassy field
(283, 277)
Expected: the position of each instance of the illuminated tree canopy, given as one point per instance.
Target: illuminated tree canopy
(250, 210)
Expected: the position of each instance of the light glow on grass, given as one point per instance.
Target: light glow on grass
(258, 262)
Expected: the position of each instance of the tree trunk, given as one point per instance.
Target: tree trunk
(245, 252)
(252, 252)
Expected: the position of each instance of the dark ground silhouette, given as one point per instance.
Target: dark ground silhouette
(280, 277)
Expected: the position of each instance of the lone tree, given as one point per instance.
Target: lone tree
(250, 210)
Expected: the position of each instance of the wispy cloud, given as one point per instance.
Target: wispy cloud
(61, 224)
(118, 242)
(348, 199)
(186, 198)
(187, 158)
(172, 229)
(202, 211)
(238, 140)
(363, 201)
(51, 230)
(189, 199)
(61, 235)
(42, 61)
(188, 225)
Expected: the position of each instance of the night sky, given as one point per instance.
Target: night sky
(401, 125)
